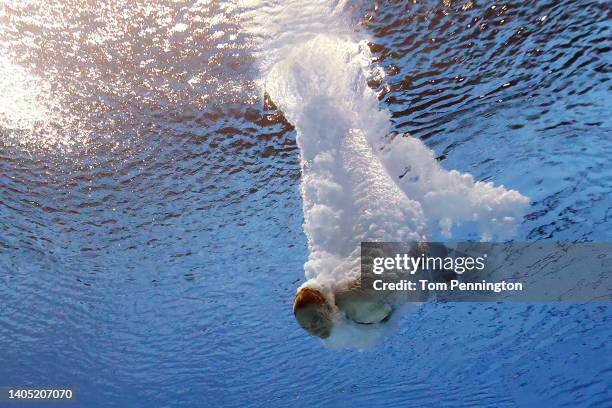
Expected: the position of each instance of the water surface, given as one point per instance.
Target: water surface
(151, 221)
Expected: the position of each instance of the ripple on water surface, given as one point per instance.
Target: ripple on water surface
(150, 217)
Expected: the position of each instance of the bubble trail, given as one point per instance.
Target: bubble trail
(358, 182)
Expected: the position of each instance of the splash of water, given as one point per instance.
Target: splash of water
(358, 183)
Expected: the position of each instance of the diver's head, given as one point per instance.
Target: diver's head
(313, 312)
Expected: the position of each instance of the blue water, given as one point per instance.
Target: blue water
(151, 221)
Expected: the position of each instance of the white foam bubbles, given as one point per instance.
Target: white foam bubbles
(358, 184)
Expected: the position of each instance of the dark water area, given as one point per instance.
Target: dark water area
(151, 221)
